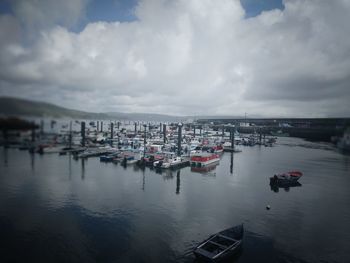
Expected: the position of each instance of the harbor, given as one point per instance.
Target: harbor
(150, 131)
(135, 195)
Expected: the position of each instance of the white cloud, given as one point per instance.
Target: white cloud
(188, 57)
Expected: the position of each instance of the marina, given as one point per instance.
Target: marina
(149, 131)
(112, 196)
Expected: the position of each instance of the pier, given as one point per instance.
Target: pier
(316, 129)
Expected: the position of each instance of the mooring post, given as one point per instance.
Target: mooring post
(83, 133)
(112, 124)
(164, 133)
(144, 141)
(70, 134)
(232, 138)
(112, 133)
(179, 139)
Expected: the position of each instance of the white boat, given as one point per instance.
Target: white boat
(168, 162)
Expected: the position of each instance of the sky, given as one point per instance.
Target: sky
(269, 58)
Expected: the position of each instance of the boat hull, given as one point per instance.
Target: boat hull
(204, 159)
(221, 246)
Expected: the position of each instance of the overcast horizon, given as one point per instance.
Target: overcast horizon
(270, 58)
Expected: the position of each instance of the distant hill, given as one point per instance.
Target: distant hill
(20, 107)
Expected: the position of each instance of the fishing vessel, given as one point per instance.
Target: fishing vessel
(204, 158)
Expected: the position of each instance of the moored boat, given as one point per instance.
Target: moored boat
(168, 162)
(127, 160)
(203, 159)
(221, 246)
(287, 177)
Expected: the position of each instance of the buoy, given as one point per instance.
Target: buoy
(268, 207)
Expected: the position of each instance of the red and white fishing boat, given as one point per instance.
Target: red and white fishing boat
(218, 148)
(204, 158)
(288, 177)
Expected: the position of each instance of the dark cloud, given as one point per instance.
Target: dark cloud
(183, 57)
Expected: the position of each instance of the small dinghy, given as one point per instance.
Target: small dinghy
(220, 246)
(289, 177)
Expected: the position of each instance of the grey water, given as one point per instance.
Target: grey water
(57, 209)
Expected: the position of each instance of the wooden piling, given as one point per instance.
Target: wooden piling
(164, 133)
(232, 138)
(112, 124)
(83, 133)
(179, 139)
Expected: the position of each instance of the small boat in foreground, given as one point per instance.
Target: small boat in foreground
(287, 177)
(220, 246)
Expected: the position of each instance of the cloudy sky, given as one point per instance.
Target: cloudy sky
(179, 57)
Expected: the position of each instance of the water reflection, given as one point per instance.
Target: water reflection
(107, 218)
(70, 166)
(286, 186)
(82, 168)
(143, 179)
(261, 248)
(166, 173)
(178, 182)
(32, 161)
(205, 170)
(5, 156)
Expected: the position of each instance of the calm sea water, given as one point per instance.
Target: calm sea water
(56, 209)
